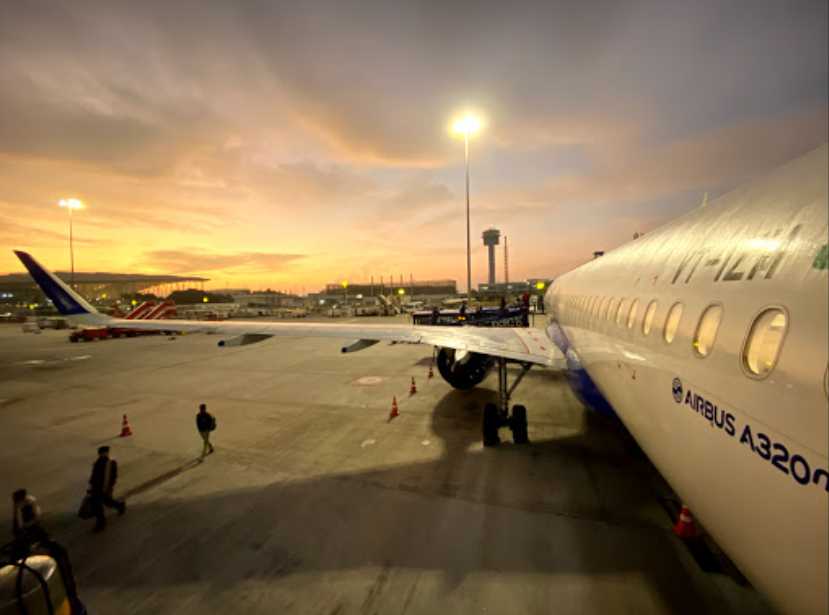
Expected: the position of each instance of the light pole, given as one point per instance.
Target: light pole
(71, 204)
(467, 125)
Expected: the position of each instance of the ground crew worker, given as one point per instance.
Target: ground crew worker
(205, 423)
(101, 484)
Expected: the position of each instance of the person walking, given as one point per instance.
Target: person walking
(101, 485)
(205, 423)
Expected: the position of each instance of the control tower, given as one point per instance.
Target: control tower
(491, 237)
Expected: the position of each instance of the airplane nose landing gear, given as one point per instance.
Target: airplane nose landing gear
(496, 417)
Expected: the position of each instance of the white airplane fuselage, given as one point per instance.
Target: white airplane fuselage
(747, 452)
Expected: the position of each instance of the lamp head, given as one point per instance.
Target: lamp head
(71, 203)
(468, 125)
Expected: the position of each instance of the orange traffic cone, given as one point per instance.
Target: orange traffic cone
(413, 388)
(394, 413)
(431, 373)
(685, 527)
(125, 428)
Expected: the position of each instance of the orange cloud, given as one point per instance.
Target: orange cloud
(194, 260)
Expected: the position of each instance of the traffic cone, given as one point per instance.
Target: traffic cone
(125, 428)
(685, 527)
(394, 413)
(413, 388)
(431, 373)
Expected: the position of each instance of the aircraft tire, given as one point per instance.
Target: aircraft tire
(490, 425)
(518, 424)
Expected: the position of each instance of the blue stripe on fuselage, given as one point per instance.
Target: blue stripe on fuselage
(578, 378)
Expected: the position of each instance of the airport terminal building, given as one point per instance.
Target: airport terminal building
(19, 288)
(422, 289)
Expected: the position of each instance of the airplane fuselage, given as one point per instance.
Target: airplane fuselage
(708, 338)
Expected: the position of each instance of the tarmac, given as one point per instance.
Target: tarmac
(315, 502)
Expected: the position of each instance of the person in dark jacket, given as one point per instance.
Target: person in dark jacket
(435, 315)
(205, 423)
(101, 484)
(26, 515)
(30, 537)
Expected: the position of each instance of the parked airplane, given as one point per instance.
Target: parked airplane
(707, 337)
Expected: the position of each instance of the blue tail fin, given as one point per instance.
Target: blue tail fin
(66, 300)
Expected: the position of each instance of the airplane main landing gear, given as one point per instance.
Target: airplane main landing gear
(498, 416)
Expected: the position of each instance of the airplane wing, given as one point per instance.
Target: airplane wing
(526, 345)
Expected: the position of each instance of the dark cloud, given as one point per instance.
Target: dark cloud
(138, 84)
(710, 161)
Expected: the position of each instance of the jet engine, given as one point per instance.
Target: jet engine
(463, 369)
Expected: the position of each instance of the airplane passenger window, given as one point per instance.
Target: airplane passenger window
(706, 335)
(647, 321)
(762, 346)
(672, 322)
(605, 305)
(632, 314)
(826, 381)
(620, 312)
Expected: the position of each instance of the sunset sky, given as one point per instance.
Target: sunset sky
(290, 144)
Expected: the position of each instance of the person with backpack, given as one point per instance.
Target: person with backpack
(205, 423)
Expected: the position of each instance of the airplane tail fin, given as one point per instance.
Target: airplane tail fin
(67, 301)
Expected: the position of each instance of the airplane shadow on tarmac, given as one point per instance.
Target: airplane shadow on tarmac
(575, 505)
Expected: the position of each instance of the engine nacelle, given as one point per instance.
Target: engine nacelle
(462, 369)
